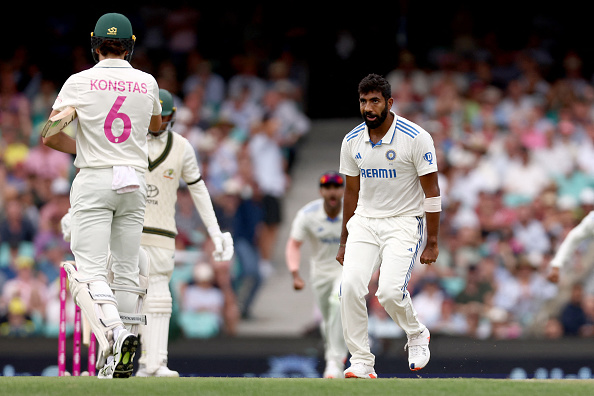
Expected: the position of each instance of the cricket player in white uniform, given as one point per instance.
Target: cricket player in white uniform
(115, 105)
(171, 158)
(391, 192)
(580, 233)
(320, 223)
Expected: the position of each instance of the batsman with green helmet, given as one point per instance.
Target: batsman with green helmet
(170, 155)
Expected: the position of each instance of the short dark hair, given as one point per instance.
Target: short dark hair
(375, 82)
(116, 47)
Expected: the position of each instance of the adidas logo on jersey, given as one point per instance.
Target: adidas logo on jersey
(358, 156)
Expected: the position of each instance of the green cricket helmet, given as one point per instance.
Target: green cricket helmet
(113, 26)
(167, 109)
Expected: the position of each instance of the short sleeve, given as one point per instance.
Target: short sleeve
(299, 227)
(348, 166)
(157, 103)
(67, 96)
(423, 154)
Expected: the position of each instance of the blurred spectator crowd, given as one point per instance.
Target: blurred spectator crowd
(515, 150)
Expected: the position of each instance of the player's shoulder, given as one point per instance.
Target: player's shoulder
(312, 207)
(589, 217)
(82, 74)
(141, 75)
(409, 128)
(179, 142)
(178, 137)
(356, 132)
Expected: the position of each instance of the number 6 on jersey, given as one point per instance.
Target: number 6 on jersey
(112, 116)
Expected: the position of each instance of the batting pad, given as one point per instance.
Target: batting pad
(158, 308)
(93, 305)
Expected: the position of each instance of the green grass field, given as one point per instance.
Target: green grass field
(89, 386)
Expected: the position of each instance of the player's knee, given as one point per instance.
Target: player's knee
(352, 288)
(390, 295)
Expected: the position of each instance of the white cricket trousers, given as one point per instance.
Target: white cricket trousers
(392, 244)
(326, 291)
(104, 221)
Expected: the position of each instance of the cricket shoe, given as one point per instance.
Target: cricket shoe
(360, 370)
(333, 370)
(162, 371)
(120, 364)
(418, 350)
(124, 350)
(106, 372)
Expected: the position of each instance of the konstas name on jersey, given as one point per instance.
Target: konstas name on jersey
(118, 86)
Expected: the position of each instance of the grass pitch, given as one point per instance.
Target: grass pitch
(90, 386)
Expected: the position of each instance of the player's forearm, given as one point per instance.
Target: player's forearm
(155, 123)
(432, 226)
(293, 255)
(348, 210)
(432, 205)
(203, 203)
(61, 142)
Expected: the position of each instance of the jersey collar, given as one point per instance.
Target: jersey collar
(389, 134)
(112, 63)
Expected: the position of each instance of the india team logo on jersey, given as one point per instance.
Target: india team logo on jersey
(168, 174)
(391, 155)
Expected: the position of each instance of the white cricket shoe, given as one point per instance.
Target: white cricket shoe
(333, 370)
(360, 370)
(162, 371)
(418, 350)
(106, 372)
(122, 364)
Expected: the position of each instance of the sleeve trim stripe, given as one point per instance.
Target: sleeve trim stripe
(194, 182)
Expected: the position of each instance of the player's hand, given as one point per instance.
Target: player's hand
(223, 250)
(554, 275)
(65, 226)
(298, 282)
(340, 255)
(430, 253)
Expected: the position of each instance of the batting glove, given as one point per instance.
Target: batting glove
(223, 243)
(65, 225)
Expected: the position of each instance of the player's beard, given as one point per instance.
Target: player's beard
(374, 124)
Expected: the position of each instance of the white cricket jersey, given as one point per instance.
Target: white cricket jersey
(312, 224)
(171, 158)
(389, 170)
(114, 103)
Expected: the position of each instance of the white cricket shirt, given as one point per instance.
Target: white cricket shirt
(312, 224)
(389, 170)
(114, 103)
(171, 158)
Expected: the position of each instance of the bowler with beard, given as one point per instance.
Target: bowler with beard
(391, 210)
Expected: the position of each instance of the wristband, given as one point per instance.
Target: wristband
(432, 204)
